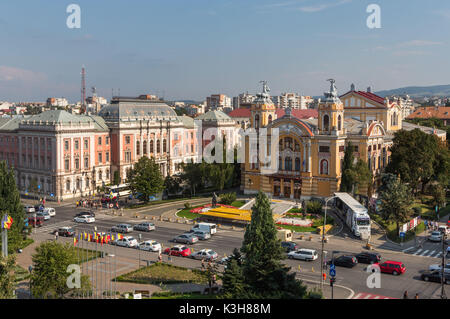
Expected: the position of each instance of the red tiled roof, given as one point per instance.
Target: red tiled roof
(241, 112)
(300, 114)
(368, 95)
(441, 112)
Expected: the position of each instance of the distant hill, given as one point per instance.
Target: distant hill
(418, 91)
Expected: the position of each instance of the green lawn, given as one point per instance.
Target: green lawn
(237, 203)
(160, 202)
(163, 273)
(186, 213)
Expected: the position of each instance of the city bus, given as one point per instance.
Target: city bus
(117, 191)
(354, 214)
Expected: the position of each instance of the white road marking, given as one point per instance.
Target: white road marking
(407, 249)
(424, 253)
(417, 252)
(431, 253)
(368, 296)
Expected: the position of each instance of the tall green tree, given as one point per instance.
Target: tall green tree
(145, 178)
(347, 179)
(265, 275)
(233, 280)
(362, 176)
(172, 184)
(7, 284)
(10, 204)
(438, 193)
(396, 200)
(49, 275)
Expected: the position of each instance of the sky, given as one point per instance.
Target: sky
(190, 49)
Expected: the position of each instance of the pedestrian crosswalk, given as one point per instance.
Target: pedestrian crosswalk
(436, 253)
(364, 295)
(51, 227)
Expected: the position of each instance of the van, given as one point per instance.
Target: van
(210, 228)
(51, 211)
(284, 234)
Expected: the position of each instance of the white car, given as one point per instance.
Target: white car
(206, 254)
(84, 219)
(127, 241)
(435, 236)
(150, 245)
(29, 209)
(438, 267)
(303, 254)
(50, 210)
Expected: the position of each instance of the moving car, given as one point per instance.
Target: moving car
(38, 208)
(122, 228)
(303, 254)
(438, 267)
(368, 258)
(344, 261)
(202, 235)
(50, 210)
(210, 228)
(150, 245)
(45, 215)
(435, 276)
(85, 213)
(84, 219)
(206, 254)
(65, 231)
(127, 241)
(29, 209)
(289, 246)
(178, 250)
(435, 236)
(392, 267)
(145, 226)
(34, 222)
(186, 239)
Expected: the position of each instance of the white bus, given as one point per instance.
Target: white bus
(354, 214)
(117, 191)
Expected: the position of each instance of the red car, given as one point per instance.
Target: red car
(392, 267)
(178, 250)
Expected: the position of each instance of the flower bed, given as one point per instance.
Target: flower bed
(294, 222)
(198, 210)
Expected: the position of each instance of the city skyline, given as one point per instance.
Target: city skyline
(173, 54)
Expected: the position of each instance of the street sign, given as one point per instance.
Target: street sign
(402, 234)
(333, 272)
(52, 195)
(39, 186)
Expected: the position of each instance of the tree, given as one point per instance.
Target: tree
(7, 283)
(438, 193)
(172, 184)
(195, 175)
(49, 276)
(116, 179)
(145, 178)
(347, 179)
(396, 200)
(265, 275)
(233, 280)
(228, 198)
(362, 175)
(10, 204)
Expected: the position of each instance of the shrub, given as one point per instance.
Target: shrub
(314, 207)
(417, 211)
(228, 198)
(187, 205)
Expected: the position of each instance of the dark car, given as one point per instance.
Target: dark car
(435, 276)
(65, 232)
(344, 261)
(368, 258)
(38, 208)
(85, 213)
(289, 246)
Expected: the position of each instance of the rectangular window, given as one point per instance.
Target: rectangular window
(49, 162)
(107, 156)
(100, 140)
(66, 165)
(342, 148)
(49, 144)
(86, 144)
(66, 145)
(100, 159)
(324, 149)
(77, 163)
(76, 145)
(127, 140)
(86, 162)
(107, 140)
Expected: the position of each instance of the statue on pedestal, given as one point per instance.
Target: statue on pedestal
(214, 200)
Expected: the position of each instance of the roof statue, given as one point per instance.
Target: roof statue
(266, 89)
(264, 96)
(332, 96)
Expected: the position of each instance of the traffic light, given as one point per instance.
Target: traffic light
(332, 281)
(324, 275)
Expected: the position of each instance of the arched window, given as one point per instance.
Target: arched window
(270, 118)
(324, 167)
(158, 146)
(138, 149)
(164, 146)
(326, 122)
(144, 151)
(339, 123)
(87, 183)
(100, 175)
(78, 183)
(152, 148)
(288, 164)
(280, 163)
(280, 145)
(297, 164)
(256, 121)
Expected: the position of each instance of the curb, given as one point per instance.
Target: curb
(352, 293)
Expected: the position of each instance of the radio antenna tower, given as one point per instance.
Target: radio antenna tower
(83, 90)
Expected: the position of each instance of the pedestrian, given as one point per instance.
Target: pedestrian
(56, 235)
(160, 257)
(416, 296)
(203, 264)
(405, 295)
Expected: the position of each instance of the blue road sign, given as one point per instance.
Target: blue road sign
(332, 267)
(333, 272)
(402, 234)
(52, 195)
(39, 186)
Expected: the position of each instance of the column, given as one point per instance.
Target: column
(281, 187)
(292, 189)
(304, 161)
(309, 157)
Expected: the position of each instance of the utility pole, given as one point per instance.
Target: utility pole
(443, 296)
(323, 242)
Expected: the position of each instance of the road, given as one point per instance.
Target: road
(226, 240)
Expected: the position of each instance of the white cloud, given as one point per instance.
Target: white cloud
(324, 6)
(9, 74)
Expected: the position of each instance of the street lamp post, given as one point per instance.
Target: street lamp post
(323, 242)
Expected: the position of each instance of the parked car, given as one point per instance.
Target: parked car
(29, 209)
(122, 228)
(178, 250)
(84, 219)
(289, 246)
(303, 254)
(85, 213)
(65, 231)
(202, 235)
(186, 239)
(438, 267)
(435, 276)
(435, 236)
(39, 208)
(344, 261)
(392, 267)
(145, 226)
(44, 215)
(34, 222)
(150, 245)
(206, 254)
(368, 258)
(127, 241)
(50, 210)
